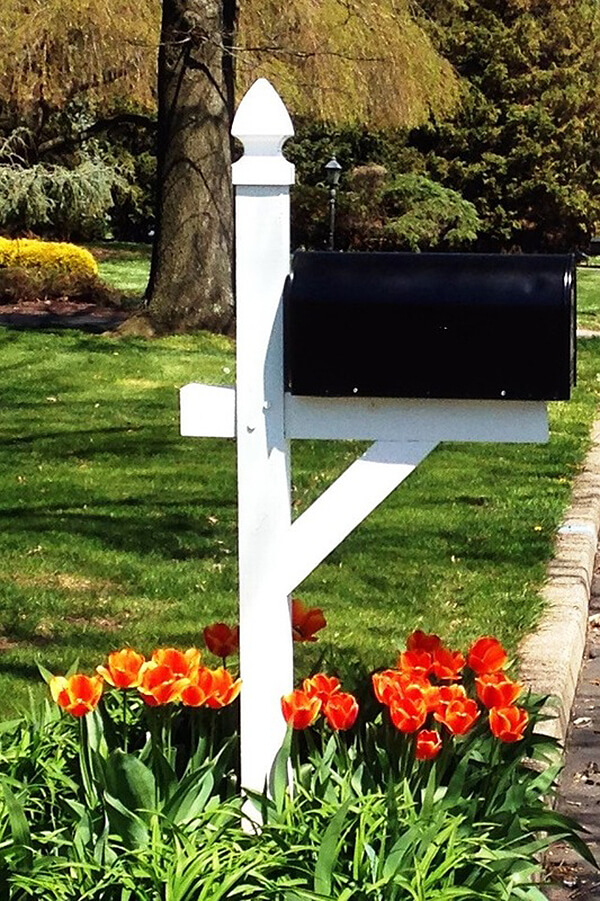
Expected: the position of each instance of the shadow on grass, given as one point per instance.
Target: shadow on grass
(80, 434)
(164, 530)
(27, 671)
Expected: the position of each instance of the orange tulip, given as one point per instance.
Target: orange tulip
(222, 640)
(458, 716)
(497, 690)
(299, 710)
(221, 687)
(428, 745)
(77, 694)
(415, 663)
(193, 693)
(421, 641)
(508, 723)
(431, 696)
(321, 686)
(387, 683)
(123, 668)
(408, 714)
(393, 683)
(159, 684)
(486, 655)
(181, 663)
(341, 710)
(447, 664)
(306, 621)
(448, 693)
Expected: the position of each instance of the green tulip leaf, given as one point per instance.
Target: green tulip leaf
(16, 816)
(330, 849)
(127, 826)
(131, 782)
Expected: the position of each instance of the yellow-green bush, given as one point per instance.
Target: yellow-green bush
(49, 256)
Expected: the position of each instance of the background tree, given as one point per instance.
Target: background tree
(191, 276)
(77, 101)
(345, 61)
(524, 147)
(71, 71)
(378, 211)
(69, 75)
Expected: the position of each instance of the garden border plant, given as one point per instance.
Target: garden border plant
(418, 785)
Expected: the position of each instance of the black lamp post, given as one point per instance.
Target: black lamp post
(333, 170)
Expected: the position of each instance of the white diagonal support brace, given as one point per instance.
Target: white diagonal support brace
(349, 500)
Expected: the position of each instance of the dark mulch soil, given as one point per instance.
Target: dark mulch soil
(53, 314)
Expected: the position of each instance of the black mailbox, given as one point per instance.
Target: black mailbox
(430, 325)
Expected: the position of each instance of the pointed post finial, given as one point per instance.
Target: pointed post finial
(262, 123)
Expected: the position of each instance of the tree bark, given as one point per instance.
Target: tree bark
(191, 281)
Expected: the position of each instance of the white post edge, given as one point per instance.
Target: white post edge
(262, 213)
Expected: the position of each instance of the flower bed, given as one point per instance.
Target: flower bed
(417, 784)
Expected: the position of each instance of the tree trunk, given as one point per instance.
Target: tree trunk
(191, 282)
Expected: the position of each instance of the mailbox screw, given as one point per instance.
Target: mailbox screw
(355, 391)
(503, 394)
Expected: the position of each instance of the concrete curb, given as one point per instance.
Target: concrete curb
(551, 658)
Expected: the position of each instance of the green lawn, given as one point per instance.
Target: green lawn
(115, 529)
(588, 297)
(124, 266)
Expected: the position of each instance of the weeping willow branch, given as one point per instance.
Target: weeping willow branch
(62, 142)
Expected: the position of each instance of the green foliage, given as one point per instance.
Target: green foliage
(354, 145)
(50, 199)
(419, 213)
(375, 823)
(379, 212)
(53, 53)
(131, 215)
(136, 802)
(81, 817)
(358, 62)
(524, 147)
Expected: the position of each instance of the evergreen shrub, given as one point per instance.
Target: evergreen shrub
(43, 270)
(20, 285)
(378, 210)
(56, 201)
(48, 256)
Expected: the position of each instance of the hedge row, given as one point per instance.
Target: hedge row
(49, 256)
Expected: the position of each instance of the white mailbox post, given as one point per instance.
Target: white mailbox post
(276, 554)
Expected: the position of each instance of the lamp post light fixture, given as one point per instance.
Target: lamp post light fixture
(333, 170)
